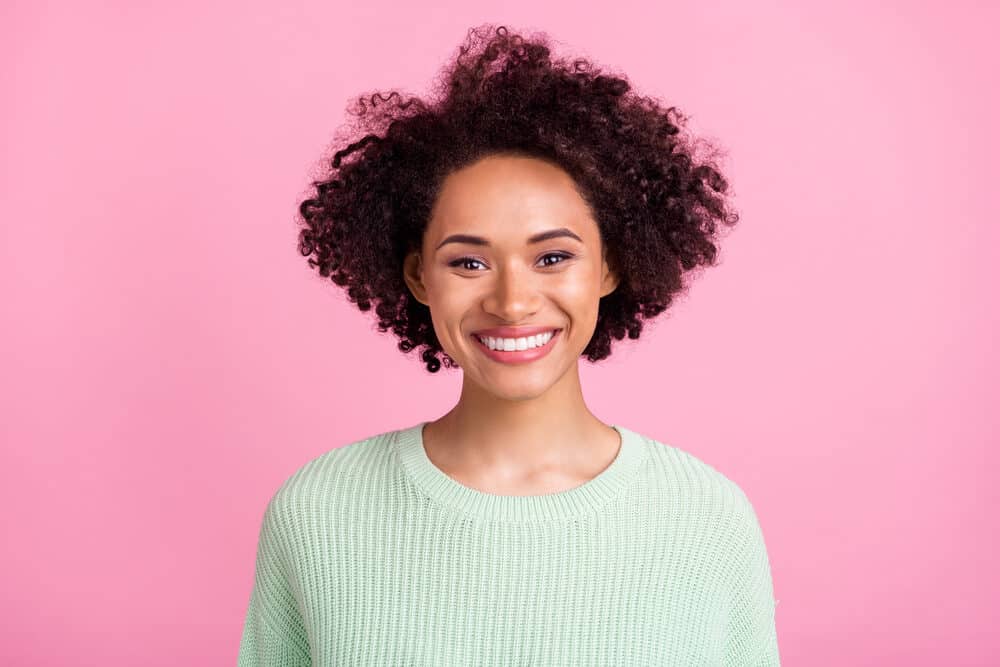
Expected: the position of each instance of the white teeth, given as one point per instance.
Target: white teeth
(512, 344)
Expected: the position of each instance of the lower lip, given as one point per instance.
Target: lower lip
(518, 356)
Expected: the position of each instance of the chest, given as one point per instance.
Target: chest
(459, 593)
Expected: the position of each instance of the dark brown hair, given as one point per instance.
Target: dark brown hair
(656, 203)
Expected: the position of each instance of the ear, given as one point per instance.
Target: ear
(413, 275)
(609, 277)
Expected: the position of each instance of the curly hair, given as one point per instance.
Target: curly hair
(656, 202)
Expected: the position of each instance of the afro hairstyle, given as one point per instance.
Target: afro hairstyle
(657, 204)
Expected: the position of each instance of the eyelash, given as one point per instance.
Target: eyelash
(461, 260)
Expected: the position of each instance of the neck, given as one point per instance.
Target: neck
(521, 436)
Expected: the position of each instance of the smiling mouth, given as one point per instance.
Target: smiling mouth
(518, 357)
(482, 340)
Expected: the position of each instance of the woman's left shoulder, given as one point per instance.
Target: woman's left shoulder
(694, 479)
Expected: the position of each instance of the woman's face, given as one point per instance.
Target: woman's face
(480, 269)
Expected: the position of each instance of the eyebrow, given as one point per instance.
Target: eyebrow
(537, 238)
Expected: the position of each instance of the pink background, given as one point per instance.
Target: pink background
(169, 359)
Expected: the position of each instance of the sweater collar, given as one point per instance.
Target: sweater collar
(583, 499)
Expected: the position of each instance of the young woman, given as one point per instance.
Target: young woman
(531, 213)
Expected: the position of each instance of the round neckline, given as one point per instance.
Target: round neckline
(579, 500)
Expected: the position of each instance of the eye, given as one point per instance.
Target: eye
(560, 255)
(465, 261)
(462, 261)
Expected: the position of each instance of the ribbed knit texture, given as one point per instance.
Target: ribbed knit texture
(371, 555)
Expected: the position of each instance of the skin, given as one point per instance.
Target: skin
(516, 429)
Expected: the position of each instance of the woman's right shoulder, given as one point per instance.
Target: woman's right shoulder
(360, 458)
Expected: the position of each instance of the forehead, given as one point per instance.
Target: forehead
(508, 192)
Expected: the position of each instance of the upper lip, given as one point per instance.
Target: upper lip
(513, 332)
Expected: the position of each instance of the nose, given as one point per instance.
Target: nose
(513, 295)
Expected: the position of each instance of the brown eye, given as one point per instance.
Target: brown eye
(560, 255)
(462, 261)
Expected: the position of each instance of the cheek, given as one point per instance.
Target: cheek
(584, 296)
(578, 290)
(449, 307)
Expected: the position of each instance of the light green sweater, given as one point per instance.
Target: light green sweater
(371, 555)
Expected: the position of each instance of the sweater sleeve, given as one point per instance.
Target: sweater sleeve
(752, 639)
(274, 634)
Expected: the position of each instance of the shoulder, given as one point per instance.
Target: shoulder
(697, 490)
(358, 462)
(686, 472)
(709, 508)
